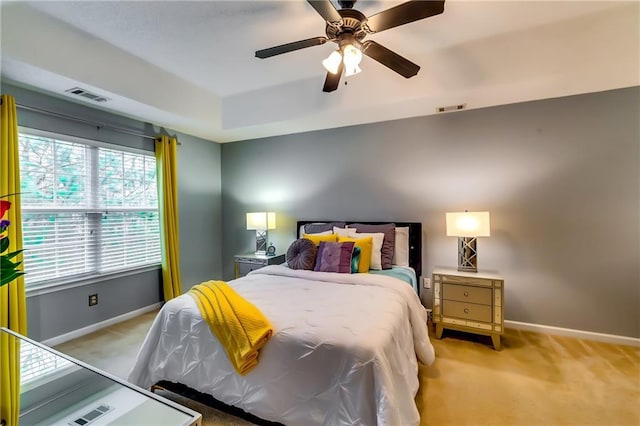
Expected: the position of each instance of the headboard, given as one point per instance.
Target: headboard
(415, 239)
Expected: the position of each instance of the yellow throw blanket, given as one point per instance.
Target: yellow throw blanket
(240, 327)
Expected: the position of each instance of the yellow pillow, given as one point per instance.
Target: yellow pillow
(366, 245)
(317, 238)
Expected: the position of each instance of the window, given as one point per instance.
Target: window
(86, 209)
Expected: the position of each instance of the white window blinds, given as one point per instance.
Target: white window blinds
(36, 363)
(86, 209)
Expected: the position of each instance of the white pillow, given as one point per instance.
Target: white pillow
(376, 257)
(401, 250)
(344, 232)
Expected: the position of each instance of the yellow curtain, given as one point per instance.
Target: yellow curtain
(13, 305)
(166, 168)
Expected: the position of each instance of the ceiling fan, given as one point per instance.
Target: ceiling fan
(347, 28)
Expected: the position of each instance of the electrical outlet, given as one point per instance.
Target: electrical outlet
(426, 282)
(93, 299)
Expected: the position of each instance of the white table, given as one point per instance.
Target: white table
(56, 389)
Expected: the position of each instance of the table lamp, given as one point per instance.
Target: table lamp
(467, 226)
(261, 222)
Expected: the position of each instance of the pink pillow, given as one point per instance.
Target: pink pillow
(334, 257)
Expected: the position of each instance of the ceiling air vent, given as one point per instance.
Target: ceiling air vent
(451, 108)
(87, 94)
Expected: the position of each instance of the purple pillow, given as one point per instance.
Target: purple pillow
(334, 257)
(389, 244)
(302, 254)
(315, 228)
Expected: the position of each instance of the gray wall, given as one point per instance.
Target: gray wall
(200, 209)
(199, 204)
(561, 178)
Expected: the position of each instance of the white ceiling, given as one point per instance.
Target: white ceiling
(190, 65)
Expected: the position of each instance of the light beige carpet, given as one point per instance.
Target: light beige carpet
(535, 379)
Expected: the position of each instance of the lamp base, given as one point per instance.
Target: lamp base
(261, 242)
(467, 254)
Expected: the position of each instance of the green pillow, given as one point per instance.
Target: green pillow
(355, 260)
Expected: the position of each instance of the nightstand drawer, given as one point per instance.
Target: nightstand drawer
(466, 280)
(246, 263)
(252, 261)
(469, 311)
(464, 293)
(245, 268)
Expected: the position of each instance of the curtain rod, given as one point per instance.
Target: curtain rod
(93, 123)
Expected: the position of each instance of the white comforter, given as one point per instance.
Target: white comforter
(343, 351)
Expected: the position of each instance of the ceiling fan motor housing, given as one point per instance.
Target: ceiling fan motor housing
(350, 30)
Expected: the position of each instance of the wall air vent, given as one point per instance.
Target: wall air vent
(91, 416)
(451, 108)
(77, 91)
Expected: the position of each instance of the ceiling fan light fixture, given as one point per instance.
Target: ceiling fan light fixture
(352, 56)
(332, 62)
(349, 71)
(348, 27)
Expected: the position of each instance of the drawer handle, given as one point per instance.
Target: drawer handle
(466, 294)
(466, 310)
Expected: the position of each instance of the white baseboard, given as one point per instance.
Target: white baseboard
(587, 335)
(99, 325)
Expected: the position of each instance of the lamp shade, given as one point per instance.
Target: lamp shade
(261, 220)
(332, 63)
(352, 71)
(352, 57)
(468, 224)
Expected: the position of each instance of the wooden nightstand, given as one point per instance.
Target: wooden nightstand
(468, 301)
(246, 263)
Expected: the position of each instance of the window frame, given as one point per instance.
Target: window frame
(64, 283)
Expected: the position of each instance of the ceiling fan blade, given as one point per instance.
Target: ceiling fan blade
(390, 59)
(332, 80)
(326, 9)
(404, 13)
(290, 47)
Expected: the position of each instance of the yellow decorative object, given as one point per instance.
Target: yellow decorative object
(166, 170)
(13, 306)
(239, 326)
(318, 238)
(366, 246)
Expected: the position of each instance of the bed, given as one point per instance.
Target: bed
(345, 349)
